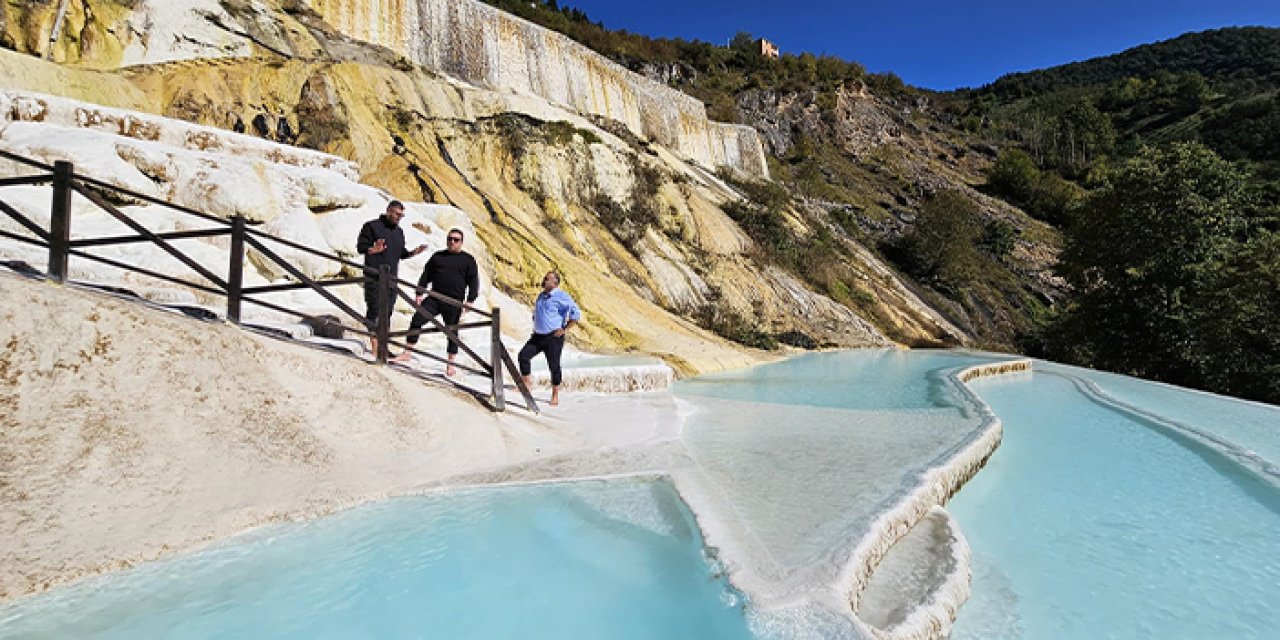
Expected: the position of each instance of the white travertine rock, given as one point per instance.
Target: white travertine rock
(170, 30)
(490, 48)
(299, 227)
(327, 190)
(921, 583)
(92, 151)
(27, 106)
(303, 196)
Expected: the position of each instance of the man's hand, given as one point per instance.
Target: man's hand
(559, 333)
(420, 249)
(379, 246)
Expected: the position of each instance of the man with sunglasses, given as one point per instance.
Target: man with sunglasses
(453, 273)
(381, 242)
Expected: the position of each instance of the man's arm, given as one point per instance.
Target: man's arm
(570, 312)
(365, 241)
(428, 273)
(409, 253)
(473, 281)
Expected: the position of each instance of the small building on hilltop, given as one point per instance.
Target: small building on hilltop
(768, 49)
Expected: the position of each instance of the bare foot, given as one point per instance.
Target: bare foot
(404, 357)
(555, 399)
(451, 371)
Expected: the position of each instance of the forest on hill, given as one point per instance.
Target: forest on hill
(1162, 166)
(1155, 172)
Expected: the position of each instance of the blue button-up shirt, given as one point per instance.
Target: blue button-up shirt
(553, 311)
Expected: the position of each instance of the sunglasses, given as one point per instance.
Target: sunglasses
(455, 239)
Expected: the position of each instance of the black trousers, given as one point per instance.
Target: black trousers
(371, 301)
(448, 313)
(546, 343)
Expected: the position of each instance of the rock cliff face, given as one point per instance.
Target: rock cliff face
(639, 230)
(472, 41)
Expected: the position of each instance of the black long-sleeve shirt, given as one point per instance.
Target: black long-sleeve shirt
(452, 274)
(395, 251)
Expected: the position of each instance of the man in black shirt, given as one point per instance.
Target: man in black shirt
(451, 272)
(381, 242)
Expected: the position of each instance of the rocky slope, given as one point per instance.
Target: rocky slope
(636, 223)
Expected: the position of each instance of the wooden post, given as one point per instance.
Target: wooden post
(499, 398)
(60, 220)
(385, 302)
(235, 271)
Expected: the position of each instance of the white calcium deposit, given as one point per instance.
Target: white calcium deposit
(918, 587)
(300, 195)
(933, 615)
(170, 30)
(484, 46)
(747, 521)
(612, 379)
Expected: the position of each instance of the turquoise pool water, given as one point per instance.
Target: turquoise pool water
(582, 560)
(796, 460)
(870, 380)
(1090, 522)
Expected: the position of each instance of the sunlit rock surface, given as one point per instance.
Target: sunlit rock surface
(475, 42)
(299, 195)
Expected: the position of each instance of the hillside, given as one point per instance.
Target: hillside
(1220, 88)
(860, 156)
(1158, 163)
(1236, 55)
(1162, 166)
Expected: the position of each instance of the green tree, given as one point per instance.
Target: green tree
(1013, 176)
(1238, 350)
(998, 239)
(1086, 133)
(942, 245)
(1146, 255)
(1191, 92)
(1053, 199)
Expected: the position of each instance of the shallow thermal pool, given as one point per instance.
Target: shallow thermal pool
(1091, 521)
(1099, 516)
(1114, 507)
(577, 560)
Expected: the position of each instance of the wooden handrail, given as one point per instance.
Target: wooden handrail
(24, 239)
(449, 333)
(146, 272)
(295, 286)
(24, 180)
(297, 273)
(61, 247)
(168, 235)
(155, 239)
(22, 220)
(34, 164)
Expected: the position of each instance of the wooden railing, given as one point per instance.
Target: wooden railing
(62, 247)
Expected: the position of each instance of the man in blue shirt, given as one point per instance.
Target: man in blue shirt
(554, 312)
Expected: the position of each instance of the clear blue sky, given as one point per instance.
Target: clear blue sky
(938, 44)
